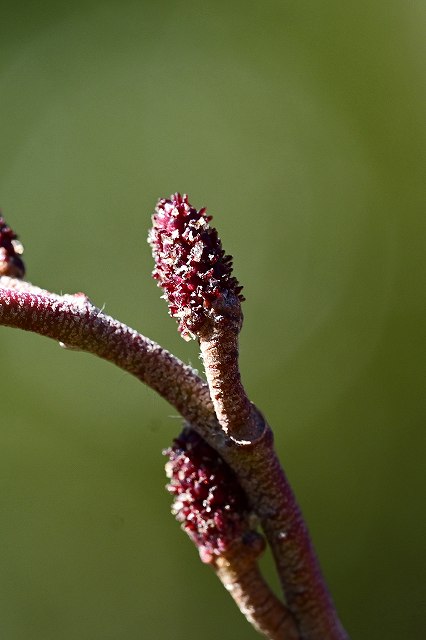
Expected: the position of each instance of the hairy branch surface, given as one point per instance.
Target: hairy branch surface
(74, 321)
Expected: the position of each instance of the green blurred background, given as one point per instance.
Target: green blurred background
(301, 126)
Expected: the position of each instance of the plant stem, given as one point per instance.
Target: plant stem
(262, 477)
(252, 456)
(236, 414)
(239, 573)
(76, 322)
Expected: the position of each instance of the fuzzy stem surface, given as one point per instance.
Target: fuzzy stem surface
(262, 477)
(239, 573)
(253, 457)
(236, 414)
(76, 322)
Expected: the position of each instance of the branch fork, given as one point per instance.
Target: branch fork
(223, 471)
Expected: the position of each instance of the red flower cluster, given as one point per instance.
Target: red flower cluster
(10, 248)
(208, 500)
(190, 264)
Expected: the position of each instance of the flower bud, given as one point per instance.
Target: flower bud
(207, 498)
(191, 266)
(11, 263)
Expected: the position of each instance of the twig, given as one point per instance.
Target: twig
(240, 575)
(196, 276)
(74, 321)
(207, 305)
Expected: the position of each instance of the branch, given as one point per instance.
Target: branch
(207, 304)
(74, 321)
(272, 499)
(196, 276)
(240, 575)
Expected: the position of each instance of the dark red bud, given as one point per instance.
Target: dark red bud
(190, 264)
(11, 263)
(207, 498)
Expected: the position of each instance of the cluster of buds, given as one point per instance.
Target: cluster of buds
(196, 276)
(190, 265)
(11, 249)
(208, 500)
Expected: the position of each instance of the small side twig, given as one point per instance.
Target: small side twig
(238, 417)
(240, 575)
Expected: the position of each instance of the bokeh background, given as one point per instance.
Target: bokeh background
(301, 126)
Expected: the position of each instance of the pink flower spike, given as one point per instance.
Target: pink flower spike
(190, 264)
(208, 500)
